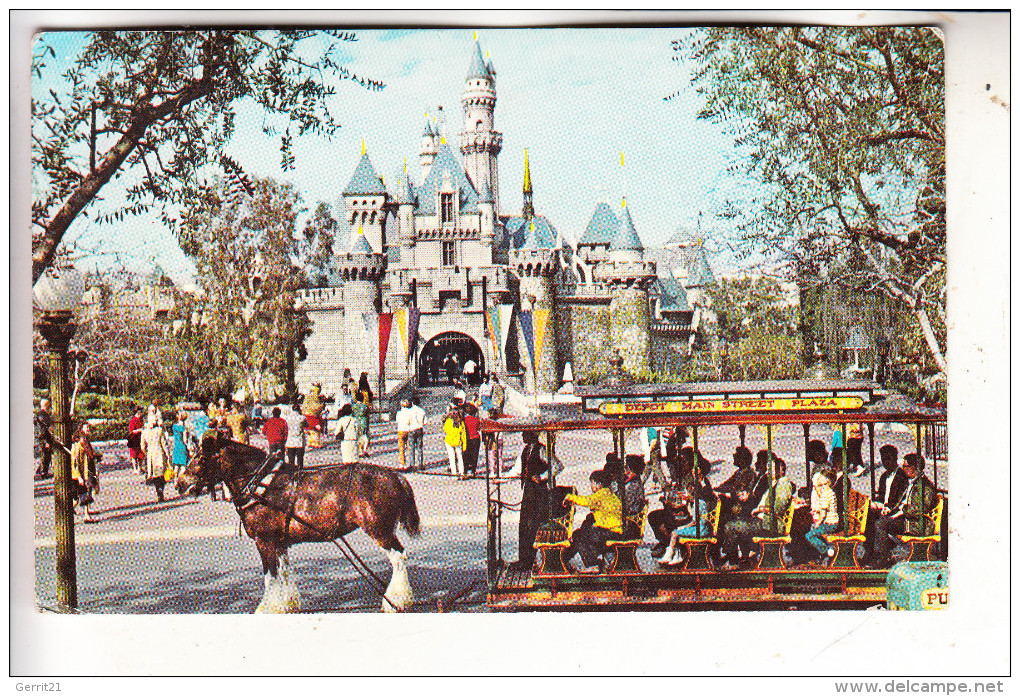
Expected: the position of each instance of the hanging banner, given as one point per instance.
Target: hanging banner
(505, 316)
(385, 326)
(541, 320)
(400, 319)
(528, 332)
(493, 336)
(413, 316)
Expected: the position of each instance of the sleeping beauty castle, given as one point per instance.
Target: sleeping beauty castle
(432, 270)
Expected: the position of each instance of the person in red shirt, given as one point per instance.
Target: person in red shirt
(275, 430)
(474, 439)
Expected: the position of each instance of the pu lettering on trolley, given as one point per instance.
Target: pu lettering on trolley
(825, 403)
(935, 598)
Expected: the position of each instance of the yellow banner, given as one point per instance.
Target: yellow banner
(818, 403)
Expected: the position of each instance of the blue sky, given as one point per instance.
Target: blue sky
(575, 98)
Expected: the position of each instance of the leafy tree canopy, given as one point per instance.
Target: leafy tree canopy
(162, 104)
(844, 129)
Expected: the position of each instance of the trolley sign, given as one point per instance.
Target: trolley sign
(819, 403)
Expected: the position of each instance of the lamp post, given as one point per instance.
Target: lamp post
(57, 293)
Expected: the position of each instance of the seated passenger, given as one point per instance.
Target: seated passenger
(909, 517)
(743, 478)
(738, 534)
(664, 520)
(699, 526)
(891, 486)
(633, 492)
(589, 540)
(817, 456)
(824, 517)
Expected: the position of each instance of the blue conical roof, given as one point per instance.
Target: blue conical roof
(531, 233)
(485, 194)
(700, 274)
(479, 68)
(404, 193)
(365, 182)
(360, 245)
(428, 129)
(602, 227)
(626, 236)
(446, 162)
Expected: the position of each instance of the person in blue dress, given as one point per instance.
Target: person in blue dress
(179, 433)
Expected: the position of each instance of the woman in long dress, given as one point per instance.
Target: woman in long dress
(83, 471)
(157, 456)
(347, 432)
(180, 439)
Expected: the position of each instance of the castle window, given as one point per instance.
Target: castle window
(449, 253)
(445, 208)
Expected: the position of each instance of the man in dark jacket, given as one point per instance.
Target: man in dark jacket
(891, 486)
(909, 516)
(534, 501)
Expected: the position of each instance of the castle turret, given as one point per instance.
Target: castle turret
(479, 142)
(429, 147)
(536, 263)
(628, 276)
(404, 198)
(365, 199)
(487, 221)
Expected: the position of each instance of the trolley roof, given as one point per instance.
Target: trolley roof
(728, 403)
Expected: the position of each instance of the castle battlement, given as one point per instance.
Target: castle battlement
(629, 273)
(322, 298)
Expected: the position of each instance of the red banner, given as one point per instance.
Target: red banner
(385, 326)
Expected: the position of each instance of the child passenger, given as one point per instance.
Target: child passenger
(589, 539)
(824, 515)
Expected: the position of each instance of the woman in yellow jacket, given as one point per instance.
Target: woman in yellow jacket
(606, 521)
(455, 437)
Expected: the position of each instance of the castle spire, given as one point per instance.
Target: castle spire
(528, 211)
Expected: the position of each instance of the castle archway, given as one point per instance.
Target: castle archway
(443, 357)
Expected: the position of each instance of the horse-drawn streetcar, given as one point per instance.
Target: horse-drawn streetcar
(785, 421)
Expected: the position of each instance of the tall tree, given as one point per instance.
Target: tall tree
(162, 104)
(844, 129)
(246, 254)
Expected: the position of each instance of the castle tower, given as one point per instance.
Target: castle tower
(361, 270)
(365, 199)
(536, 263)
(487, 222)
(479, 142)
(628, 276)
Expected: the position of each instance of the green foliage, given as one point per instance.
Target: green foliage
(163, 104)
(741, 304)
(760, 355)
(245, 251)
(844, 129)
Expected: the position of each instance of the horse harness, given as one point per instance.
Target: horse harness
(263, 480)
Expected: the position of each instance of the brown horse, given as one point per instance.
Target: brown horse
(280, 507)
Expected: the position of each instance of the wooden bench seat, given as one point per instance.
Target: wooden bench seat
(624, 558)
(552, 539)
(696, 557)
(922, 547)
(770, 548)
(846, 544)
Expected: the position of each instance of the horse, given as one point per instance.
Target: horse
(280, 507)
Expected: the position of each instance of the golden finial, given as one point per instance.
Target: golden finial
(476, 36)
(362, 146)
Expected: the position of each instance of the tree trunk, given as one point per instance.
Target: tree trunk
(929, 336)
